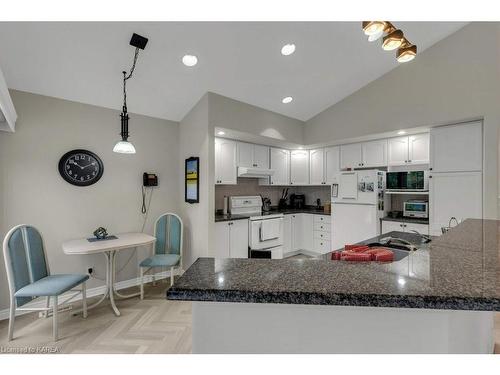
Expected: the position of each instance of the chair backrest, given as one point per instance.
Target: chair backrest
(25, 258)
(168, 233)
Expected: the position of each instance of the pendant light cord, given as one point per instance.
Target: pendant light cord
(126, 77)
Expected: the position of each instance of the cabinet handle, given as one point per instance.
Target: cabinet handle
(409, 161)
(430, 169)
(430, 176)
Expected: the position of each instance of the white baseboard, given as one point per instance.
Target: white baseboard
(93, 292)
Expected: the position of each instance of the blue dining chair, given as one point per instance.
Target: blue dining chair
(168, 231)
(29, 277)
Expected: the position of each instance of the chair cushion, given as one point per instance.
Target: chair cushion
(52, 285)
(161, 260)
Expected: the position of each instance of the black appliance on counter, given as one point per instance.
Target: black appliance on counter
(297, 201)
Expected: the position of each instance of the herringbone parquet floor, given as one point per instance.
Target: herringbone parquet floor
(153, 325)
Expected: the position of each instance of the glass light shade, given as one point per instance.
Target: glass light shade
(376, 36)
(373, 27)
(406, 54)
(393, 40)
(124, 147)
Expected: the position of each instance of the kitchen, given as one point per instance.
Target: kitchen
(346, 193)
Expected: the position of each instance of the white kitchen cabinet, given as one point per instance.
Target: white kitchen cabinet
(231, 239)
(350, 156)
(225, 162)
(332, 163)
(374, 153)
(408, 150)
(317, 167)
(299, 167)
(280, 163)
(253, 156)
(296, 237)
(457, 194)
(287, 235)
(418, 148)
(400, 226)
(457, 148)
(398, 151)
(307, 229)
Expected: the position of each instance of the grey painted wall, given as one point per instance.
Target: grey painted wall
(32, 191)
(456, 79)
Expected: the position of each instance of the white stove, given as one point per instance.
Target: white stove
(265, 230)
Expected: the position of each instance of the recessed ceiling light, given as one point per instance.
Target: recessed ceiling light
(286, 100)
(401, 132)
(221, 133)
(288, 49)
(189, 60)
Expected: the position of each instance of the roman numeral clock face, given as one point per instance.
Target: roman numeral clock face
(81, 167)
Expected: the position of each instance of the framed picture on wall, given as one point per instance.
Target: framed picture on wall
(192, 180)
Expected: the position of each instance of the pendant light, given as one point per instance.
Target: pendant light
(124, 146)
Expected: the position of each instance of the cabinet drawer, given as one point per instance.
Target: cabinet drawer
(322, 219)
(320, 235)
(321, 246)
(320, 226)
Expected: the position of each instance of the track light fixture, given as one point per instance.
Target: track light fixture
(393, 39)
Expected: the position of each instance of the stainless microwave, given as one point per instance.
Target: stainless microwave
(407, 181)
(415, 208)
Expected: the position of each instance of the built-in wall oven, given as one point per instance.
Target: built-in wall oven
(407, 181)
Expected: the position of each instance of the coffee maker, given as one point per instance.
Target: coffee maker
(297, 201)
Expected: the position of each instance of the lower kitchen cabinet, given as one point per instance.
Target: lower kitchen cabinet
(400, 226)
(308, 233)
(231, 239)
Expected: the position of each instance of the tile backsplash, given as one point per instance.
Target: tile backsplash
(250, 186)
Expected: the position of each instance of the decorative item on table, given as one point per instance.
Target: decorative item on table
(192, 180)
(101, 234)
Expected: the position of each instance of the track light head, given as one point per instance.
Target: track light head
(373, 27)
(393, 40)
(406, 53)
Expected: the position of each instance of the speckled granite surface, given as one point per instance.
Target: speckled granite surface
(460, 271)
(286, 211)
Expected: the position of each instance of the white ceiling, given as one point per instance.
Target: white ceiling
(83, 62)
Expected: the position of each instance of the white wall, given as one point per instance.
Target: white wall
(456, 79)
(32, 191)
(195, 139)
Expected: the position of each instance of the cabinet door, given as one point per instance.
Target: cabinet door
(222, 239)
(296, 221)
(392, 226)
(245, 155)
(287, 234)
(280, 163)
(374, 153)
(225, 161)
(332, 161)
(350, 156)
(238, 239)
(317, 167)
(398, 151)
(260, 156)
(418, 148)
(307, 228)
(299, 167)
(457, 148)
(457, 194)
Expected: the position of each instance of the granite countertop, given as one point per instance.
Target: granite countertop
(275, 210)
(402, 219)
(460, 271)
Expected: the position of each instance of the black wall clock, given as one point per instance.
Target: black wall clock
(81, 167)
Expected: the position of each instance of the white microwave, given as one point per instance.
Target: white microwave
(415, 208)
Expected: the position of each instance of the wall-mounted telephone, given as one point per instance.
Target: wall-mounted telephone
(149, 179)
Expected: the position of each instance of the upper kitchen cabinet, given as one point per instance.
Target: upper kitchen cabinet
(225, 162)
(299, 167)
(317, 167)
(332, 163)
(350, 156)
(364, 155)
(413, 149)
(374, 153)
(457, 148)
(280, 163)
(253, 156)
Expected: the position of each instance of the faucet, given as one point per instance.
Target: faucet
(425, 238)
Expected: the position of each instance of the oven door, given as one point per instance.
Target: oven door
(266, 233)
